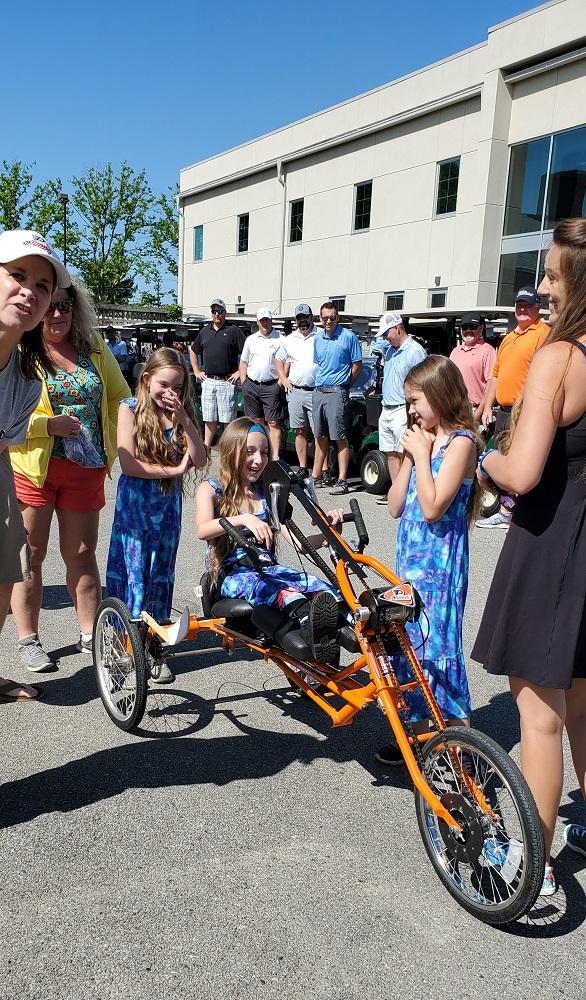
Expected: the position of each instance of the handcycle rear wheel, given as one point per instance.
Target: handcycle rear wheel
(494, 866)
(120, 664)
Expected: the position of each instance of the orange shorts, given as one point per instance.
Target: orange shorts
(68, 486)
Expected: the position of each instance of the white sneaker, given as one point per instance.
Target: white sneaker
(498, 520)
(33, 656)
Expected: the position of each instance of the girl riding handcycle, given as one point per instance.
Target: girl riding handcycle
(475, 814)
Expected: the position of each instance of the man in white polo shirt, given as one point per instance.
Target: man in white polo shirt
(264, 397)
(296, 369)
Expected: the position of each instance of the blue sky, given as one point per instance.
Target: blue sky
(164, 83)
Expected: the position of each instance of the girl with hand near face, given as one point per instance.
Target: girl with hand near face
(158, 442)
(435, 495)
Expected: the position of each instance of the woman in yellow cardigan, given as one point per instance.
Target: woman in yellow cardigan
(70, 446)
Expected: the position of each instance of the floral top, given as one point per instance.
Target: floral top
(77, 394)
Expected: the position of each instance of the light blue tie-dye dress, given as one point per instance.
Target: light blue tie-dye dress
(434, 557)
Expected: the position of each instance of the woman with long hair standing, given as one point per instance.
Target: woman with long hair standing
(29, 272)
(534, 625)
(62, 466)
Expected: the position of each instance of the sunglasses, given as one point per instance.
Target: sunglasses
(329, 319)
(469, 326)
(64, 307)
(218, 312)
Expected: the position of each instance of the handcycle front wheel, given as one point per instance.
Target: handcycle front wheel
(120, 664)
(494, 866)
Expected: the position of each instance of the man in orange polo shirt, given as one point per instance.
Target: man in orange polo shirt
(510, 372)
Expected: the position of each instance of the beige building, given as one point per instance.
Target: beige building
(437, 189)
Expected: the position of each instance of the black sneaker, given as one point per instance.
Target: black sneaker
(575, 837)
(390, 755)
(303, 472)
(328, 478)
(323, 627)
(340, 488)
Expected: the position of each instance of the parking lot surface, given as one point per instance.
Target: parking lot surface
(254, 851)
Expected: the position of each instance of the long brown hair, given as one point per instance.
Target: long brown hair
(233, 444)
(570, 236)
(442, 384)
(151, 444)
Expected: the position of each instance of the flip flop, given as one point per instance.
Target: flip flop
(7, 685)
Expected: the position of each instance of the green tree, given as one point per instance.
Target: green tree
(15, 181)
(112, 216)
(164, 236)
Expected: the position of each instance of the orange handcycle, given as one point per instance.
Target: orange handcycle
(476, 816)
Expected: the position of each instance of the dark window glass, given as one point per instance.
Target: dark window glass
(447, 187)
(243, 233)
(516, 269)
(296, 223)
(240, 310)
(394, 301)
(437, 298)
(339, 301)
(566, 197)
(362, 206)
(198, 243)
(526, 187)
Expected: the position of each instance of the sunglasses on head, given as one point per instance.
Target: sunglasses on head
(216, 311)
(64, 307)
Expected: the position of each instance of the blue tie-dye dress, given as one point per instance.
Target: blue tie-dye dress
(434, 557)
(144, 543)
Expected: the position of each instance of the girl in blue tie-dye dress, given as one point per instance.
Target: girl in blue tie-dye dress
(158, 441)
(435, 495)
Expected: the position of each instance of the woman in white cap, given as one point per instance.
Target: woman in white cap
(61, 468)
(29, 272)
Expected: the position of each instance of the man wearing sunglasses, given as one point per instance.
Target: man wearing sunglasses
(474, 357)
(218, 345)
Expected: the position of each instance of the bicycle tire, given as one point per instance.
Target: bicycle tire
(495, 895)
(119, 664)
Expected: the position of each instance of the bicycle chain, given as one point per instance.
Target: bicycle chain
(402, 706)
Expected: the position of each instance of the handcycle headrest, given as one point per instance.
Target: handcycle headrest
(278, 473)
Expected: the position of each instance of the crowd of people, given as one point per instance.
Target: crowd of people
(66, 413)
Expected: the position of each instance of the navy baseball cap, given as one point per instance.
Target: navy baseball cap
(471, 319)
(527, 294)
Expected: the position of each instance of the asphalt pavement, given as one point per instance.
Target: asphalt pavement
(241, 847)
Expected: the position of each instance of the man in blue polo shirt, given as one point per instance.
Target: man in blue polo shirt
(337, 353)
(403, 354)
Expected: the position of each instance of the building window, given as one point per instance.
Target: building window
(526, 187)
(198, 243)
(362, 203)
(516, 270)
(437, 298)
(296, 221)
(566, 191)
(240, 309)
(243, 233)
(339, 301)
(394, 301)
(448, 174)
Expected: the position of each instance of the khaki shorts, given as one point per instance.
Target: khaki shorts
(14, 551)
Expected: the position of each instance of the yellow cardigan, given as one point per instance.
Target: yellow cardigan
(32, 457)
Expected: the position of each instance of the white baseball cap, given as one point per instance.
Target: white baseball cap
(264, 314)
(388, 321)
(303, 310)
(15, 243)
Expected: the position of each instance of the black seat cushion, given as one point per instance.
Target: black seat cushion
(284, 628)
(231, 607)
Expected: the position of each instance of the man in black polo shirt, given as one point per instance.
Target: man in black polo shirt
(220, 345)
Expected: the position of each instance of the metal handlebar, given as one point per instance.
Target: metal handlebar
(244, 539)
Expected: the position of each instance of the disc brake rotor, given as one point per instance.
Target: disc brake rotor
(464, 844)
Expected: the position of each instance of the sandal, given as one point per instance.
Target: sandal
(9, 688)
